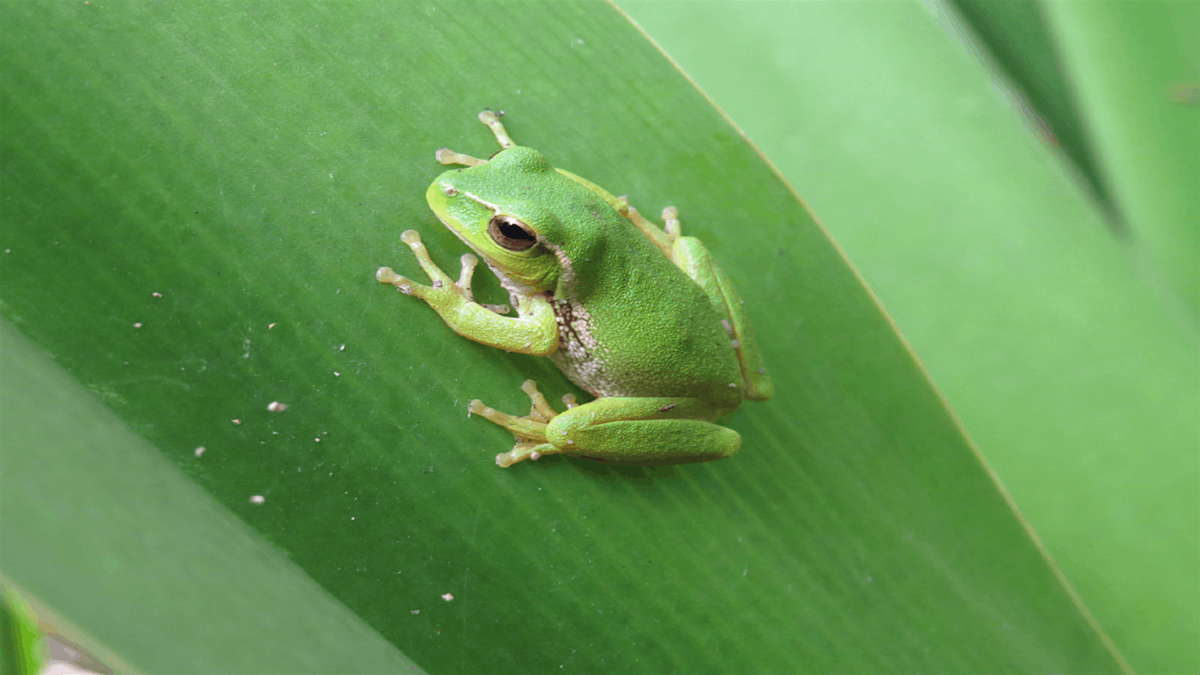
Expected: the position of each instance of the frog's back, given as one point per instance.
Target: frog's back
(631, 323)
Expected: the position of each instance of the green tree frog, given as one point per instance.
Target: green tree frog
(639, 316)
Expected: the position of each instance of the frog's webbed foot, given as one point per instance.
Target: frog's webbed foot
(443, 290)
(529, 430)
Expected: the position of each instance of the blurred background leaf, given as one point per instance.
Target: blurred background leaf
(1135, 68)
(194, 200)
(1069, 350)
(1014, 37)
(21, 649)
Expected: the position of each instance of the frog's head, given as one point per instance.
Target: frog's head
(498, 207)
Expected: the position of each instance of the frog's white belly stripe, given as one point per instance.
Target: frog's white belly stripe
(579, 355)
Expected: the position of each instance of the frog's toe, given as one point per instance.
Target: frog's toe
(540, 409)
(524, 450)
(447, 156)
(386, 275)
(529, 428)
(670, 216)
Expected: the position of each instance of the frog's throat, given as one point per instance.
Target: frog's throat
(511, 285)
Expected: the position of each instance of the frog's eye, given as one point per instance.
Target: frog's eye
(511, 233)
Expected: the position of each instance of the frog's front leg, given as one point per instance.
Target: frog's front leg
(658, 430)
(533, 331)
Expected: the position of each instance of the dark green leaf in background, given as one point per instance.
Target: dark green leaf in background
(194, 200)
(1016, 35)
(1135, 68)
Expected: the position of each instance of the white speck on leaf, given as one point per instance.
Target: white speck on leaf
(447, 597)
(257, 499)
(276, 406)
(199, 451)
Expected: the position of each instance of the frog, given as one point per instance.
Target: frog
(639, 316)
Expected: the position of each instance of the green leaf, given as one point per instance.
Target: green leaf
(1068, 361)
(21, 651)
(103, 528)
(195, 199)
(1136, 70)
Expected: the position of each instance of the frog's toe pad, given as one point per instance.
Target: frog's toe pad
(523, 451)
(385, 275)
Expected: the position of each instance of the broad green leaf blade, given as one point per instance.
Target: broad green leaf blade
(104, 529)
(1066, 365)
(195, 200)
(1135, 68)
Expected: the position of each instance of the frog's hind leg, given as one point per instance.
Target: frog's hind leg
(648, 431)
(616, 429)
(691, 256)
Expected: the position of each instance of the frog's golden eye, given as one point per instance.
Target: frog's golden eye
(511, 233)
